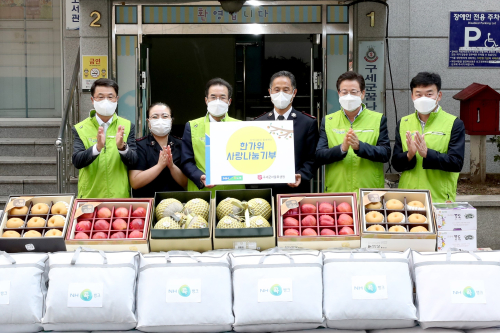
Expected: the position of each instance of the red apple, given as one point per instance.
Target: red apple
(291, 232)
(118, 234)
(135, 234)
(139, 212)
(137, 224)
(293, 211)
(326, 220)
(104, 213)
(119, 224)
(345, 219)
(344, 207)
(81, 235)
(346, 231)
(121, 212)
(100, 235)
(325, 207)
(290, 222)
(308, 209)
(83, 226)
(309, 232)
(101, 225)
(327, 232)
(86, 216)
(309, 220)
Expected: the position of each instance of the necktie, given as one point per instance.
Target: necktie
(281, 117)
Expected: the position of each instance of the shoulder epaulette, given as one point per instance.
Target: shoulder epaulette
(307, 114)
(260, 115)
(140, 139)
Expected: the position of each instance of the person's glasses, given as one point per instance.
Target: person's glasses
(158, 116)
(353, 92)
(109, 98)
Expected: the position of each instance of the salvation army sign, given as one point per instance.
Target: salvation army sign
(474, 39)
(250, 152)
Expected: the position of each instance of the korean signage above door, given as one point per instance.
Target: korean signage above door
(371, 67)
(474, 39)
(215, 14)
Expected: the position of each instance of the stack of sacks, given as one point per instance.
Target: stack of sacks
(277, 290)
(368, 290)
(417, 329)
(23, 279)
(91, 291)
(457, 290)
(184, 292)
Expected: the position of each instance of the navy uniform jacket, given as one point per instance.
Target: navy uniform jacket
(305, 136)
(148, 152)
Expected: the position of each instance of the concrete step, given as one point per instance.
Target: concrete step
(27, 147)
(10, 185)
(27, 166)
(29, 128)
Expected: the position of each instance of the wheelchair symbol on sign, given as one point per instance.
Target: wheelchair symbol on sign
(490, 42)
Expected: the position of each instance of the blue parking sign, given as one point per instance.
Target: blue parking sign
(474, 39)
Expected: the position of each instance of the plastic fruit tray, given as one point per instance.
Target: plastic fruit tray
(316, 201)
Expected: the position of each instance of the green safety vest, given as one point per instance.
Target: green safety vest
(106, 176)
(353, 172)
(198, 130)
(442, 184)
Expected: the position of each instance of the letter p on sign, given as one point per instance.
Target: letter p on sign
(468, 38)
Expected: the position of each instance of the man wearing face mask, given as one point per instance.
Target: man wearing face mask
(283, 88)
(430, 143)
(158, 157)
(354, 141)
(104, 146)
(217, 98)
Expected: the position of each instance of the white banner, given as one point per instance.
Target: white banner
(250, 152)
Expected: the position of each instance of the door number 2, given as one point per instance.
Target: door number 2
(95, 22)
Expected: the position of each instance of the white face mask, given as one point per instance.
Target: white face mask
(281, 100)
(105, 107)
(425, 105)
(160, 127)
(217, 108)
(350, 102)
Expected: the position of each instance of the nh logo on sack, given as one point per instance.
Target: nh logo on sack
(467, 291)
(369, 287)
(184, 291)
(4, 292)
(85, 295)
(275, 290)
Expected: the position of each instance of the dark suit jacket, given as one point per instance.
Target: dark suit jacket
(305, 135)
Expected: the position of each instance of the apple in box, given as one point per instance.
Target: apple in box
(135, 234)
(121, 212)
(308, 209)
(137, 224)
(86, 216)
(100, 235)
(83, 226)
(101, 225)
(104, 213)
(119, 234)
(290, 222)
(345, 219)
(119, 224)
(325, 207)
(327, 232)
(346, 231)
(139, 212)
(309, 221)
(81, 235)
(344, 207)
(293, 211)
(291, 232)
(326, 221)
(309, 232)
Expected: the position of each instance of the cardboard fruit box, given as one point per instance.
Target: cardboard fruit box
(397, 241)
(24, 243)
(182, 239)
(98, 231)
(455, 216)
(291, 208)
(244, 238)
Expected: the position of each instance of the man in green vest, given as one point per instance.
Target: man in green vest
(354, 141)
(104, 146)
(430, 143)
(218, 98)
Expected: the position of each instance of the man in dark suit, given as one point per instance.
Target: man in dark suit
(283, 89)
